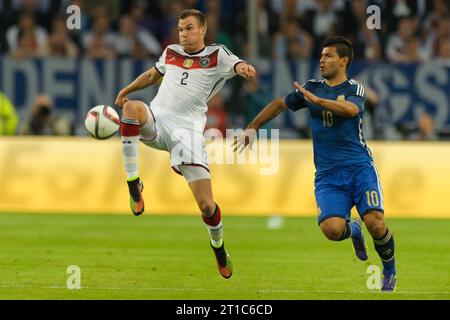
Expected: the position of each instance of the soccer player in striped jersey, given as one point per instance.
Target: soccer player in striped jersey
(175, 120)
(346, 175)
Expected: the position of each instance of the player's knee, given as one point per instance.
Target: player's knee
(132, 109)
(206, 207)
(332, 232)
(333, 228)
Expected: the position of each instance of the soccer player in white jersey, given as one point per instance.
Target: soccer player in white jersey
(175, 119)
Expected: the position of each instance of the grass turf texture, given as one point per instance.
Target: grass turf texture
(168, 257)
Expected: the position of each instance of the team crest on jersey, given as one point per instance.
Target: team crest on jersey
(341, 98)
(204, 62)
(188, 63)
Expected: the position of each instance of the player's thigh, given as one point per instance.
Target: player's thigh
(148, 131)
(368, 194)
(187, 146)
(332, 202)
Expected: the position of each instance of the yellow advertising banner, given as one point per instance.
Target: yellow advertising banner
(83, 175)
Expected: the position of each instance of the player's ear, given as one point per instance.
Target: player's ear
(345, 61)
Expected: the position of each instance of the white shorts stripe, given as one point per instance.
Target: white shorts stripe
(380, 190)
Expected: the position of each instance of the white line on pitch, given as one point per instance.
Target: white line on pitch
(257, 290)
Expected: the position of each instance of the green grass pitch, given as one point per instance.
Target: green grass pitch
(168, 257)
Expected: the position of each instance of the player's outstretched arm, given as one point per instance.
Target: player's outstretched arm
(245, 70)
(144, 80)
(341, 108)
(270, 111)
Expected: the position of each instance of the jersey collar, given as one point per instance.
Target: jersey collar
(194, 53)
(339, 85)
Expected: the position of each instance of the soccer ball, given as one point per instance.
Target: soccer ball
(102, 122)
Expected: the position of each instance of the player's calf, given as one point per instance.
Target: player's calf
(384, 245)
(338, 229)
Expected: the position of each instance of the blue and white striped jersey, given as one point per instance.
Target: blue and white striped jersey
(337, 141)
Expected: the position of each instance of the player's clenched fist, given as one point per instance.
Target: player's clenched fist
(121, 99)
(247, 71)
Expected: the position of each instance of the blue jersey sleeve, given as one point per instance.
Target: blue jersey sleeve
(295, 100)
(356, 95)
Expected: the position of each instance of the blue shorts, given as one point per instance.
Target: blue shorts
(338, 190)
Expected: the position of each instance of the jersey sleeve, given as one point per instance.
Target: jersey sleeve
(227, 62)
(160, 65)
(356, 95)
(296, 100)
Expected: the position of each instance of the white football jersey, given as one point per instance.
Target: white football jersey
(190, 80)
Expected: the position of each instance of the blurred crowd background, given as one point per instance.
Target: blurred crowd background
(412, 31)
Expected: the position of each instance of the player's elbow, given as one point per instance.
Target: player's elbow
(352, 111)
(281, 105)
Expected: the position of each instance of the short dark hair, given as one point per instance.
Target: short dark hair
(193, 13)
(343, 47)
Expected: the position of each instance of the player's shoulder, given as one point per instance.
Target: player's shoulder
(221, 47)
(356, 86)
(175, 47)
(312, 83)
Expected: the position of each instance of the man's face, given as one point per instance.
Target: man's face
(331, 63)
(191, 33)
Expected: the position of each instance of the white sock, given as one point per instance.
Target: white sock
(216, 234)
(130, 139)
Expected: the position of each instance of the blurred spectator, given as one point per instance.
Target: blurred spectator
(293, 43)
(59, 43)
(26, 39)
(403, 46)
(216, 115)
(439, 35)
(444, 51)
(101, 41)
(324, 17)
(101, 8)
(323, 22)
(215, 34)
(292, 9)
(143, 20)
(425, 129)
(366, 42)
(171, 10)
(44, 121)
(253, 98)
(296, 7)
(212, 7)
(172, 37)
(8, 116)
(135, 42)
(42, 10)
(441, 10)
(267, 26)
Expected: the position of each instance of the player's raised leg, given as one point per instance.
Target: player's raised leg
(334, 205)
(134, 116)
(338, 229)
(384, 245)
(212, 218)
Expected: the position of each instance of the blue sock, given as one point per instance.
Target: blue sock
(346, 233)
(356, 230)
(385, 248)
